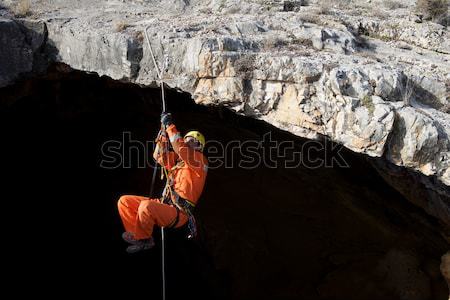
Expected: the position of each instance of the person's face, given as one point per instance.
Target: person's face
(192, 142)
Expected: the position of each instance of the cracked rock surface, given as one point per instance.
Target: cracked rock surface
(377, 85)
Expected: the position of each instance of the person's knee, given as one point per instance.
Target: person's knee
(145, 209)
(123, 201)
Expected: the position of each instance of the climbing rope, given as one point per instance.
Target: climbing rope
(162, 131)
(158, 71)
(163, 265)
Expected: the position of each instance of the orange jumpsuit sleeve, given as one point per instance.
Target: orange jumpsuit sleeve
(186, 153)
(166, 159)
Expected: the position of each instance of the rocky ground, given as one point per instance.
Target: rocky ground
(371, 75)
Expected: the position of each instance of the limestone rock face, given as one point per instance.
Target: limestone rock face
(116, 56)
(379, 87)
(21, 44)
(420, 142)
(429, 35)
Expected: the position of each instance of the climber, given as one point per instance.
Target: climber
(186, 169)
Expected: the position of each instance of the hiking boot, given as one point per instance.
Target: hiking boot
(129, 238)
(141, 245)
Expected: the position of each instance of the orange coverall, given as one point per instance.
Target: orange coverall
(139, 214)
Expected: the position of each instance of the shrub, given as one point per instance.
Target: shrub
(121, 26)
(302, 41)
(325, 7)
(309, 18)
(367, 102)
(22, 8)
(293, 5)
(393, 4)
(436, 10)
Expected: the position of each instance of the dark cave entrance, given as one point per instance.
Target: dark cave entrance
(267, 233)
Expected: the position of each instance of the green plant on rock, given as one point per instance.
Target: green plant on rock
(367, 102)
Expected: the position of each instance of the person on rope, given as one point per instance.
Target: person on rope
(185, 168)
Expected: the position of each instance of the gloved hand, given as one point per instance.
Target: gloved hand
(166, 119)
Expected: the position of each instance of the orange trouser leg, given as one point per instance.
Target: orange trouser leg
(139, 215)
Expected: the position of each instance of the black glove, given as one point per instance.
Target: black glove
(166, 119)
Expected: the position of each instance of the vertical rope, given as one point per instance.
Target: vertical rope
(163, 258)
(155, 169)
(162, 96)
(158, 71)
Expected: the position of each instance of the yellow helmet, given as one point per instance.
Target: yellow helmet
(198, 136)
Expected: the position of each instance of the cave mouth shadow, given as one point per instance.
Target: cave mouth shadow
(270, 233)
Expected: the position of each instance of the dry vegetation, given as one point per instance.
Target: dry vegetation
(302, 41)
(272, 42)
(139, 35)
(310, 18)
(121, 26)
(436, 10)
(393, 4)
(325, 7)
(22, 8)
(380, 14)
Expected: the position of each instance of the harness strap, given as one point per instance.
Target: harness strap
(186, 207)
(179, 202)
(177, 219)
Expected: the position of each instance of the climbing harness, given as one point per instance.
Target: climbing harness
(181, 205)
(171, 197)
